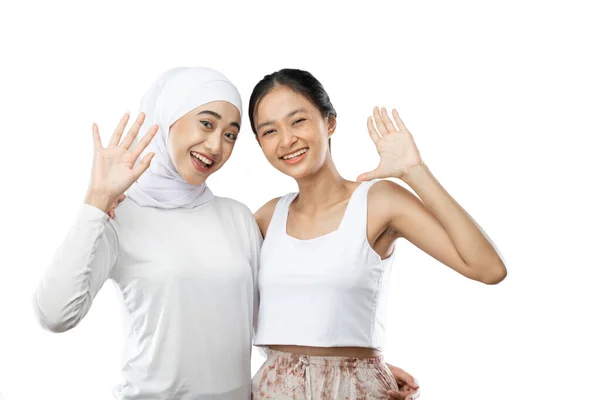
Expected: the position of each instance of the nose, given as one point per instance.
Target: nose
(213, 144)
(288, 139)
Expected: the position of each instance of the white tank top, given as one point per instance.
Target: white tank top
(330, 291)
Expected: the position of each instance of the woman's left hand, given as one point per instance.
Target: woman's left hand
(397, 150)
(409, 388)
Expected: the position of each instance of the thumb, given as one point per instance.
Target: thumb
(367, 176)
(143, 165)
(374, 174)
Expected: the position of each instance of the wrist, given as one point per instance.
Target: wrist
(99, 200)
(414, 173)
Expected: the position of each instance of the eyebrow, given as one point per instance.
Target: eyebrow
(218, 116)
(287, 116)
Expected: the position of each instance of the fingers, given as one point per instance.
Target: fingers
(404, 393)
(116, 137)
(142, 144)
(395, 394)
(372, 131)
(403, 376)
(398, 120)
(139, 169)
(379, 122)
(387, 121)
(96, 134)
(133, 131)
(111, 212)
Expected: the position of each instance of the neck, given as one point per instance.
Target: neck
(322, 189)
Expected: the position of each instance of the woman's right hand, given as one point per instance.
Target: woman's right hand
(113, 170)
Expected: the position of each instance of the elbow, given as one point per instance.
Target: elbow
(494, 279)
(53, 325)
(494, 275)
(53, 321)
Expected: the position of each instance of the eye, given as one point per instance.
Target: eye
(231, 136)
(268, 132)
(206, 124)
(299, 120)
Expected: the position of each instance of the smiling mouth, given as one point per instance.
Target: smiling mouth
(202, 162)
(295, 156)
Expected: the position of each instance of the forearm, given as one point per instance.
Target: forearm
(99, 200)
(78, 270)
(471, 243)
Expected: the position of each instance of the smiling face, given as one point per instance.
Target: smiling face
(292, 132)
(201, 141)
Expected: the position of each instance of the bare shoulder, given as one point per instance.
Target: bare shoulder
(264, 214)
(389, 201)
(386, 192)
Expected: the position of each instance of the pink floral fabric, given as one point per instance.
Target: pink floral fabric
(287, 376)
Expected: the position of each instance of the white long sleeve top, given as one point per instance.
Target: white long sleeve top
(187, 280)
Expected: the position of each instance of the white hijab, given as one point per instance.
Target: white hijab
(174, 94)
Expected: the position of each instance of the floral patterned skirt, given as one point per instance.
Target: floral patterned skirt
(287, 376)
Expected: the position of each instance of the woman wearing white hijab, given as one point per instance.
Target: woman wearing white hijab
(184, 261)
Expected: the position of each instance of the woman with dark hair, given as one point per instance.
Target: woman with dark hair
(328, 249)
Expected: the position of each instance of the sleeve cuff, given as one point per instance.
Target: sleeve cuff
(88, 212)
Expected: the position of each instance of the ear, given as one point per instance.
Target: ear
(331, 125)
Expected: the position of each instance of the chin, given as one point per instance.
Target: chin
(302, 170)
(194, 179)
(297, 172)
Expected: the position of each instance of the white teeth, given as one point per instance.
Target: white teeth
(202, 158)
(296, 154)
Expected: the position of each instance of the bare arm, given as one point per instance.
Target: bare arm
(439, 226)
(434, 221)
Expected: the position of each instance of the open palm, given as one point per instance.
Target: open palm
(395, 145)
(114, 169)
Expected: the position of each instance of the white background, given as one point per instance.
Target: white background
(502, 98)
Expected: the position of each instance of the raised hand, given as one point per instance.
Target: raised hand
(113, 170)
(395, 145)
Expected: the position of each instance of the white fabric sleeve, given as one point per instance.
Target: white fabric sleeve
(80, 266)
